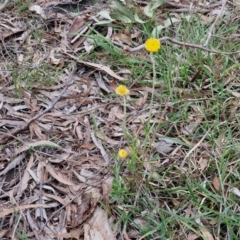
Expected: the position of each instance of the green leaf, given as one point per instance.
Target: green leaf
(121, 18)
(149, 9)
(118, 7)
(175, 140)
(23, 7)
(104, 22)
(157, 30)
(137, 18)
(105, 14)
(157, 3)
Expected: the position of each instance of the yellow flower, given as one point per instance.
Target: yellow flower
(122, 90)
(122, 153)
(152, 45)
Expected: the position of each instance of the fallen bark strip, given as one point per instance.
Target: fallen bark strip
(7, 136)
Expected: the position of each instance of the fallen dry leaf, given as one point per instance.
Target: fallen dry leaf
(13, 163)
(236, 191)
(26, 176)
(72, 234)
(100, 147)
(76, 26)
(38, 10)
(57, 175)
(3, 232)
(206, 234)
(165, 145)
(203, 162)
(34, 227)
(52, 58)
(192, 236)
(122, 38)
(14, 209)
(35, 129)
(100, 67)
(216, 183)
(98, 227)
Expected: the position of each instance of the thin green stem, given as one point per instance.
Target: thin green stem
(152, 96)
(125, 114)
(153, 84)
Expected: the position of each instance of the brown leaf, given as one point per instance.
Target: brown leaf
(216, 183)
(72, 234)
(127, 31)
(122, 38)
(31, 101)
(52, 58)
(206, 234)
(13, 163)
(35, 129)
(100, 67)
(192, 236)
(86, 206)
(220, 143)
(25, 35)
(57, 198)
(58, 175)
(15, 209)
(98, 227)
(106, 190)
(107, 139)
(102, 84)
(142, 100)
(76, 25)
(165, 145)
(203, 162)
(113, 84)
(195, 120)
(100, 147)
(34, 227)
(3, 232)
(38, 10)
(26, 176)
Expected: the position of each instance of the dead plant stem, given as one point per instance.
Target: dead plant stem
(172, 40)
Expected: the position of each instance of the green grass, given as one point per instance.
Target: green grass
(34, 78)
(165, 195)
(170, 201)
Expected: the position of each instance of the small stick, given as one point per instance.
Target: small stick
(7, 136)
(164, 39)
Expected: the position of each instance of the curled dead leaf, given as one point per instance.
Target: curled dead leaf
(58, 175)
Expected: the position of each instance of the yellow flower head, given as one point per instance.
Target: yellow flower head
(152, 45)
(122, 153)
(122, 90)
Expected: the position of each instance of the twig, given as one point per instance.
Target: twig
(164, 39)
(215, 22)
(7, 136)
